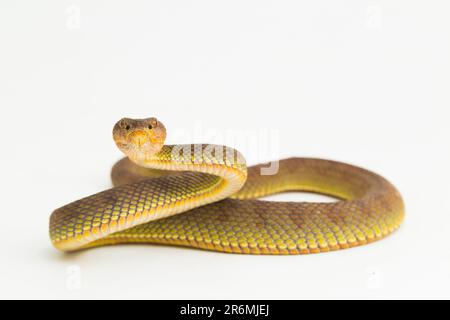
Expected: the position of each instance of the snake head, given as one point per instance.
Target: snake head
(139, 139)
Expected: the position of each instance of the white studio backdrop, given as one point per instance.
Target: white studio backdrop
(364, 82)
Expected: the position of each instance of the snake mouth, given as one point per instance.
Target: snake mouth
(140, 144)
(138, 139)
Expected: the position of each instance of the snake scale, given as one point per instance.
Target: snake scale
(204, 196)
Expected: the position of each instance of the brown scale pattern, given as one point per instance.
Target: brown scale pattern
(122, 204)
(370, 208)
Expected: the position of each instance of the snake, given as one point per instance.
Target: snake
(204, 196)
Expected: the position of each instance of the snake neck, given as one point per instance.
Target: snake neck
(226, 163)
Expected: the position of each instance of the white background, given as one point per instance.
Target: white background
(366, 82)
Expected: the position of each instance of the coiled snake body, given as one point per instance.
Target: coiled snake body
(204, 196)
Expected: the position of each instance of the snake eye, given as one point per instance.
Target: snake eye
(153, 123)
(124, 124)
